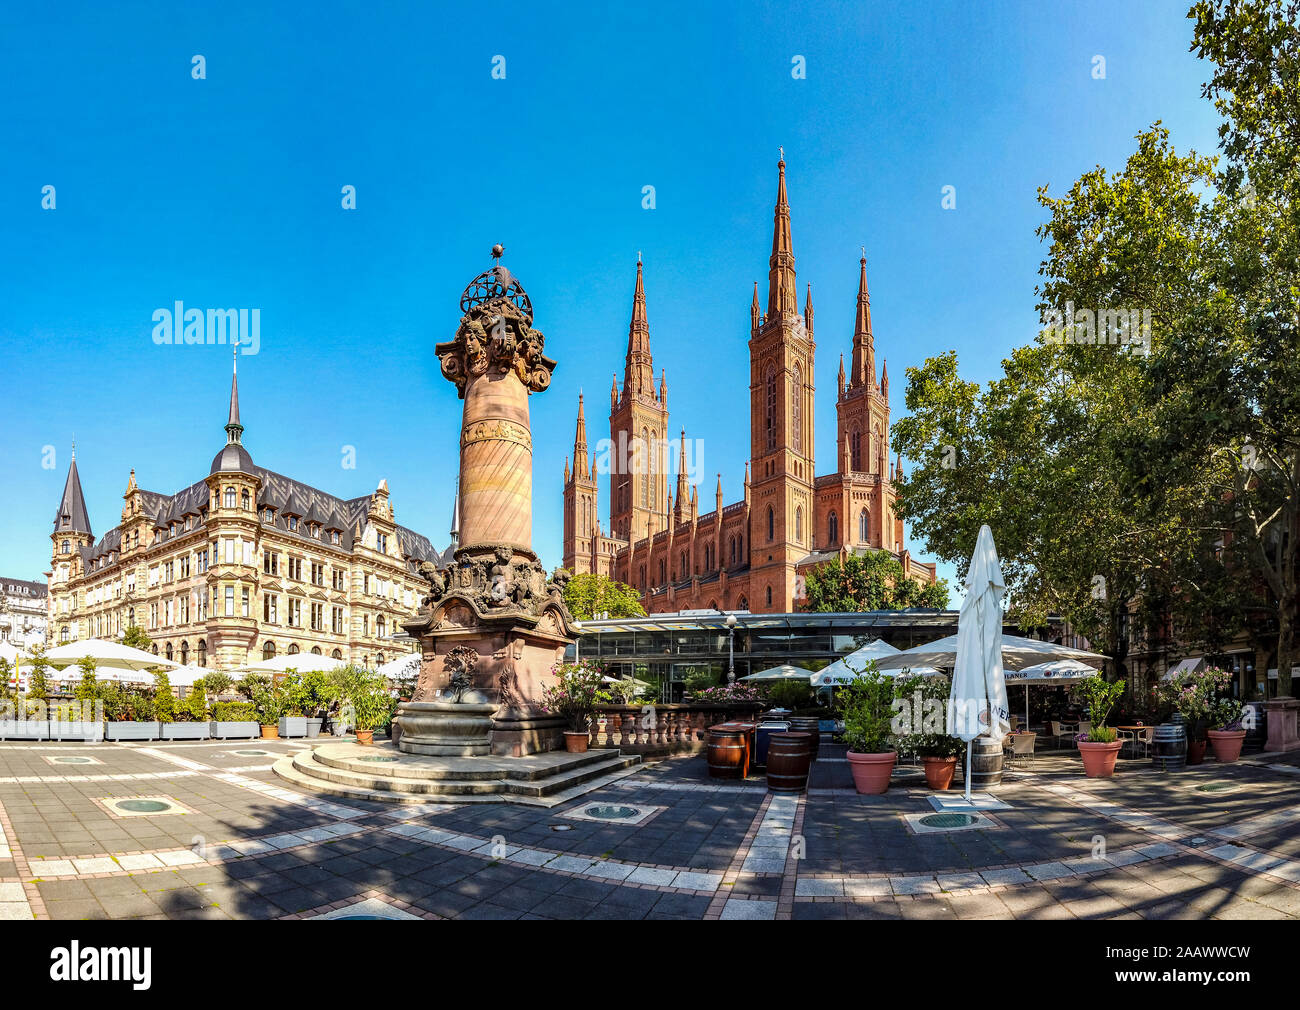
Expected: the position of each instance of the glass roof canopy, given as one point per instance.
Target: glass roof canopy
(914, 618)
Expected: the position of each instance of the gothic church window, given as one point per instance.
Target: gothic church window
(862, 526)
(796, 405)
(833, 529)
(770, 413)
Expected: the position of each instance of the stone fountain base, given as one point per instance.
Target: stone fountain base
(444, 729)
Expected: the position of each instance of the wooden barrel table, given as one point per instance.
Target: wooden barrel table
(1169, 746)
(811, 726)
(726, 753)
(985, 762)
(788, 760)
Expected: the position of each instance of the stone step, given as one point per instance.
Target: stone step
(558, 788)
(460, 769)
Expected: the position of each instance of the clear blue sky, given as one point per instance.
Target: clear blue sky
(226, 192)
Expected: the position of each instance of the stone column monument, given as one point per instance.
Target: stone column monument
(493, 624)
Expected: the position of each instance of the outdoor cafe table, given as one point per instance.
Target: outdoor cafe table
(747, 730)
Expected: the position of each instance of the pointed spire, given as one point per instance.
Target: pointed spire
(718, 494)
(638, 376)
(72, 506)
(130, 483)
(864, 346)
(613, 393)
(682, 491)
(808, 311)
(781, 298)
(898, 466)
(580, 470)
(884, 378)
(233, 428)
(455, 516)
(663, 386)
(566, 469)
(755, 312)
(841, 376)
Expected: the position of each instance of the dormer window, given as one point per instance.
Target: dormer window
(293, 523)
(381, 542)
(66, 521)
(334, 537)
(268, 516)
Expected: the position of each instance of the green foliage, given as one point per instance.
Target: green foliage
(367, 693)
(589, 594)
(873, 581)
(701, 678)
(577, 690)
(194, 707)
(1193, 694)
(252, 683)
(1098, 698)
(789, 694)
(920, 723)
(269, 701)
(164, 702)
(1102, 734)
(38, 684)
(868, 710)
(88, 688)
(135, 637)
(6, 671)
(1225, 713)
(234, 711)
(216, 683)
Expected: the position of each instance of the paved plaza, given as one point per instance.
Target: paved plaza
(188, 831)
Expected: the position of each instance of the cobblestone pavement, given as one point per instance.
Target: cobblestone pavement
(207, 831)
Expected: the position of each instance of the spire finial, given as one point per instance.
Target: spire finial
(498, 251)
(782, 150)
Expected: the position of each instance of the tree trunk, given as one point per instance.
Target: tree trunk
(1285, 643)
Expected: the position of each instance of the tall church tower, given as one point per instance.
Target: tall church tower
(71, 526)
(781, 359)
(638, 429)
(862, 409)
(581, 515)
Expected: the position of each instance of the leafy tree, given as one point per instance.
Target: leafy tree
(164, 701)
(216, 683)
(6, 671)
(135, 637)
(195, 704)
(87, 688)
(873, 581)
(590, 594)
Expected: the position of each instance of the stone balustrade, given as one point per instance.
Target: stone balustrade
(662, 728)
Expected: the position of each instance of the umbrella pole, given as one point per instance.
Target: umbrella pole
(968, 743)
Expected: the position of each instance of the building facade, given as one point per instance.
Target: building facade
(243, 565)
(750, 554)
(22, 612)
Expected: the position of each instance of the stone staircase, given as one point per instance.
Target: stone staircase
(383, 773)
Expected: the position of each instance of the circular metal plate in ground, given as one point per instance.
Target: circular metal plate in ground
(561, 827)
(72, 761)
(143, 806)
(253, 753)
(948, 820)
(1217, 787)
(611, 812)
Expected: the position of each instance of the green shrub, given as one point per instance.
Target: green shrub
(868, 710)
(164, 702)
(920, 725)
(194, 708)
(234, 711)
(789, 694)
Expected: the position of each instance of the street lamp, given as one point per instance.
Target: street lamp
(731, 648)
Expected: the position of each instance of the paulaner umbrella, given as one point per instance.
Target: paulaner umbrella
(977, 703)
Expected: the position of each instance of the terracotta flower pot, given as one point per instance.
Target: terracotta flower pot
(939, 771)
(365, 737)
(1099, 758)
(575, 741)
(271, 732)
(871, 771)
(1195, 751)
(1226, 743)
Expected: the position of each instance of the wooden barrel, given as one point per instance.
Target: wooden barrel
(985, 762)
(726, 753)
(811, 726)
(788, 759)
(1169, 746)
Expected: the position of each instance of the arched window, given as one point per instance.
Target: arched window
(168, 651)
(379, 660)
(268, 650)
(185, 653)
(315, 650)
(798, 524)
(769, 596)
(643, 585)
(244, 501)
(230, 497)
(796, 408)
(336, 654)
(155, 648)
(293, 649)
(743, 604)
(855, 450)
(641, 470)
(833, 529)
(769, 413)
(379, 626)
(203, 652)
(862, 526)
(771, 524)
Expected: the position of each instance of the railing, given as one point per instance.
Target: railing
(637, 728)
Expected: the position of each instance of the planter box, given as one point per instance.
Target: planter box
(313, 727)
(91, 732)
(185, 730)
(293, 725)
(131, 730)
(24, 729)
(235, 730)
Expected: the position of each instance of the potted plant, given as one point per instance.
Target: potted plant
(577, 690)
(1228, 734)
(1099, 747)
(368, 697)
(867, 703)
(919, 727)
(234, 720)
(191, 721)
(317, 692)
(130, 714)
(293, 720)
(1192, 695)
(268, 702)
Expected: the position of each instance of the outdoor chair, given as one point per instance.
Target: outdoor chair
(1144, 738)
(1056, 731)
(1022, 746)
(1126, 738)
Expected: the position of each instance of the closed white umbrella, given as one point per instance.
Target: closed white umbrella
(977, 703)
(302, 662)
(114, 655)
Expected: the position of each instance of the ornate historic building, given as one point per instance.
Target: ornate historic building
(747, 555)
(22, 612)
(244, 564)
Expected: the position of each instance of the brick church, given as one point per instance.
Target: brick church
(750, 554)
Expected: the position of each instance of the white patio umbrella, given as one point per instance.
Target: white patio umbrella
(402, 666)
(1065, 671)
(303, 662)
(845, 670)
(977, 703)
(185, 676)
(1017, 653)
(113, 655)
(785, 671)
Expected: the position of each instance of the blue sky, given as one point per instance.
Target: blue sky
(225, 192)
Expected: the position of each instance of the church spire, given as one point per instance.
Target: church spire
(781, 297)
(682, 491)
(580, 470)
(864, 347)
(639, 374)
(72, 516)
